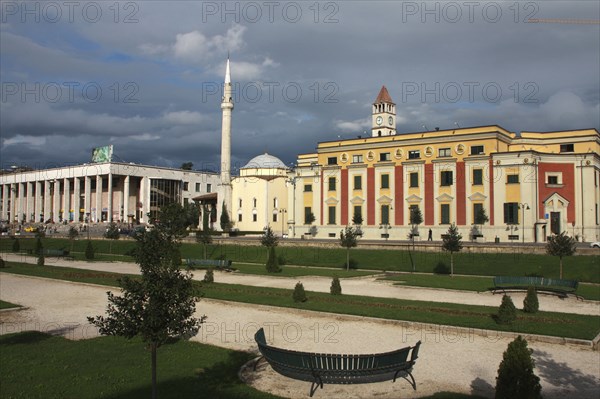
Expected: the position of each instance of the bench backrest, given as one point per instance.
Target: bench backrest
(535, 281)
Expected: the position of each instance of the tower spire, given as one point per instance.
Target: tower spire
(226, 109)
(227, 71)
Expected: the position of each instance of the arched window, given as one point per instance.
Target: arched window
(254, 202)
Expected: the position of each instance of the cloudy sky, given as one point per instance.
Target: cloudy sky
(146, 76)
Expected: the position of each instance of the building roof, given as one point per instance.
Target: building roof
(384, 96)
(265, 161)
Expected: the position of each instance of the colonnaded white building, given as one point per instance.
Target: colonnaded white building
(97, 192)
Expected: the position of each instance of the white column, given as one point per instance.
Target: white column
(20, 198)
(109, 204)
(5, 191)
(98, 217)
(47, 202)
(39, 201)
(29, 209)
(125, 199)
(88, 198)
(67, 199)
(76, 198)
(145, 198)
(56, 201)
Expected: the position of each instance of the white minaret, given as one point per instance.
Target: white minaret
(227, 108)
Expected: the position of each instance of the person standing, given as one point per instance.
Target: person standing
(430, 236)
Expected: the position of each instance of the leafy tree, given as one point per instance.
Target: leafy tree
(89, 250)
(357, 218)
(269, 239)
(348, 239)
(225, 220)
(39, 247)
(173, 220)
(41, 259)
(272, 262)
(561, 245)
(209, 276)
(516, 379)
(205, 239)
(187, 165)
(192, 213)
(310, 218)
(481, 217)
(336, 287)
(531, 303)
(452, 243)
(73, 234)
(16, 246)
(112, 233)
(205, 218)
(415, 219)
(507, 313)
(299, 294)
(160, 305)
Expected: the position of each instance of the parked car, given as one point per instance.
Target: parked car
(595, 244)
(31, 229)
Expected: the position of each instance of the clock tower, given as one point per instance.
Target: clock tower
(384, 115)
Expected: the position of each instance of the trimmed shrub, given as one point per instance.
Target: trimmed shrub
(272, 262)
(209, 276)
(299, 293)
(507, 313)
(516, 379)
(41, 260)
(89, 250)
(336, 287)
(16, 247)
(441, 268)
(2, 264)
(531, 303)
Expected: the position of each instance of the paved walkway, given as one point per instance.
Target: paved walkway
(465, 363)
(366, 286)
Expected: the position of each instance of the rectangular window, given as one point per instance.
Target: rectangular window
(512, 179)
(411, 209)
(197, 187)
(385, 214)
(552, 179)
(308, 215)
(445, 213)
(186, 185)
(357, 159)
(254, 217)
(477, 177)
(308, 188)
(476, 209)
(444, 152)
(357, 213)
(331, 215)
(332, 161)
(414, 154)
(274, 217)
(385, 181)
(511, 213)
(331, 182)
(239, 217)
(446, 178)
(567, 148)
(384, 156)
(209, 188)
(358, 182)
(477, 150)
(414, 179)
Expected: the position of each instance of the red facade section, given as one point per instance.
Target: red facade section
(322, 195)
(491, 183)
(429, 180)
(567, 190)
(370, 196)
(399, 195)
(461, 196)
(344, 199)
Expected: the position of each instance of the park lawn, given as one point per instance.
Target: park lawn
(7, 305)
(470, 316)
(38, 365)
(504, 262)
(299, 271)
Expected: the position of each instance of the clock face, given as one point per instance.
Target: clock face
(391, 121)
(379, 120)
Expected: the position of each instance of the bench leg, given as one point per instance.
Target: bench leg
(412, 381)
(257, 361)
(317, 383)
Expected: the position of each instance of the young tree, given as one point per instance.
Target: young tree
(73, 234)
(39, 247)
(89, 250)
(111, 233)
(161, 304)
(481, 217)
(348, 239)
(357, 218)
(16, 246)
(415, 219)
(516, 379)
(299, 294)
(205, 239)
(336, 287)
(269, 239)
(41, 260)
(225, 220)
(531, 303)
(507, 312)
(209, 276)
(561, 245)
(272, 261)
(205, 218)
(310, 218)
(452, 243)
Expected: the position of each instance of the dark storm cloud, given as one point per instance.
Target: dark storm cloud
(146, 79)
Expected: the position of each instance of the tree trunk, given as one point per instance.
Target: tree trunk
(348, 259)
(560, 267)
(154, 393)
(451, 264)
(204, 251)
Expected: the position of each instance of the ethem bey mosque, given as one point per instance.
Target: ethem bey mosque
(527, 185)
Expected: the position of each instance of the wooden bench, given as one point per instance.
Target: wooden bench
(54, 253)
(321, 368)
(559, 287)
(218, 264)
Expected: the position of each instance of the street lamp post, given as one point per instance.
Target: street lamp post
(282, 211)
(524, 207)
(292, 181)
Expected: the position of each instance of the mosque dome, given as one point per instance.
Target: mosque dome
(265, 161)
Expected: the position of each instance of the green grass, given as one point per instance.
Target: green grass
(470, 316)
(37, 365)
(503, 262)
(7, 305)
(298, 271)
